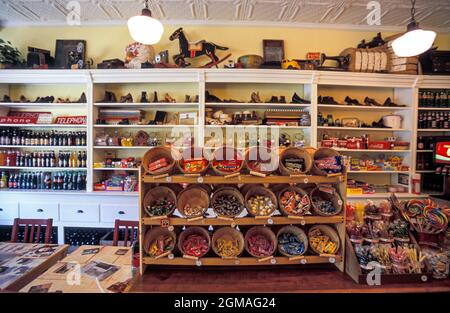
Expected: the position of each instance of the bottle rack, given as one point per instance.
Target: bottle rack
(146, 182)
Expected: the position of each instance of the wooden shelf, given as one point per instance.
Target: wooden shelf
(366, 129)
(386, 195)
(364, 108)
(240, 261)
(257, 126)
(146, 126)
(27, 105)
(276, 220)
(424, 151)
(378, 172)
(243, 179)
(433, 130)
(122, 148)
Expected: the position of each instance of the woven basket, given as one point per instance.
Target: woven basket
(157, 193)
(261, 191)
(154, 233)
(227, 191)
(295, 189)
(194, 196)
(253, 155)
(294, 152)
(333, 197)
(325, 230)
(322, 153)
(156, 153)
(192, 153)
(228, 233)
(301, 235)
(193, 230)
(221, 154)
(266, 232)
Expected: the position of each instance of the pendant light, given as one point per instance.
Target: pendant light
(144, 28)
(415, 41)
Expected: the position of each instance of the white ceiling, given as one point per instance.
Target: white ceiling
(395, 14)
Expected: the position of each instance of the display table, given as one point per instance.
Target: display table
(20, 263)
(89, 269)
(269, 280)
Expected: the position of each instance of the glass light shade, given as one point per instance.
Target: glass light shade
(145, 29)
(413, 42)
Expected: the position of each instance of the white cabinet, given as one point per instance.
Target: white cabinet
(109, 212)
(9, 210)
(39, 210)
(83, 212)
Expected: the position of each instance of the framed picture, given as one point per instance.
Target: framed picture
(273, 51)
(70, 54)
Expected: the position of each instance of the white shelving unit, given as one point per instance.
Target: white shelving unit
(403, 89)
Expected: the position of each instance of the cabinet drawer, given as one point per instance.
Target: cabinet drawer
(9, 210)
(79, 212)
(110, 212)
(39, 210)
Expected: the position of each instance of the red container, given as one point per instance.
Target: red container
(379, 145)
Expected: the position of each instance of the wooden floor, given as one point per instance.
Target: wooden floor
(267, 280)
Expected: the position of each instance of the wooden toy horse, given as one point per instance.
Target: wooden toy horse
(194, 49)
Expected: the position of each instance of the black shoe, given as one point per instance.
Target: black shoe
(127, 99)
(328, 100)
(297, 99)
(370, 101)
(351, 101)
(282, 99)
(144, 98)
(273, 100)
(82, 99)
(6, 98)
(211, 98)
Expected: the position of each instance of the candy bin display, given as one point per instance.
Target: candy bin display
(294, 201)
(159, 202)
(159, 160)
(193, 161)
(194, 242)
(227, 161)
(193, 202)
(159, 242)
(261, 161)
(260, 201)
(294, 161)
(323, 240)
(326, 201)
(327, 162)
(227, 202)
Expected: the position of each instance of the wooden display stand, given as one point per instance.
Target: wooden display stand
(146, 182)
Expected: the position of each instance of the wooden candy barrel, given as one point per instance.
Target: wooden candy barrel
(327, 231)
(190, 231)
(227, 191)
(295, 189)
(264, 231)
(228, 234)
(297, 231)
(223, 154)
(261, 191)
(262, 155)
(193, 153)
(193, 196)
(298, 153)
(158, 153)
(334, 197)
(157, 193)
(153, 233)
(320, 154)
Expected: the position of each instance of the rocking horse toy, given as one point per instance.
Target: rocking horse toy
(192, 50)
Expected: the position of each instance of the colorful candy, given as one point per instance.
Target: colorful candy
(322, 243)
(161, 245)
(291, 244)
(260, 205)
(294, 203)
(260, 245)
(227, 205)
(160, 207)
(195, 245)
(227, 246)
(330, 165)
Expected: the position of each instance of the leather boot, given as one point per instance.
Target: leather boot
(144, 98)
(169, 99)
(273, 100)
(297, 99)
(254, 98)
(6, 98)
(196, 99)
(126, 99)
(155, 97)
(83, 98)
(187, 99)
(282, 99)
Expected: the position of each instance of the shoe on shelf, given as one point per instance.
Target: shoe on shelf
(370, 101)
(6, 98)
(126, 99)
(326, 100)
(144, 98)
(187, 99)
(82, 99)
(254, 98)
(274, 99)
(196, 99)
(282, 99)
(155, 97)
(351, 101)
(169, 99)
(110, 97)
(23, 99)
(388, 102)
(297, 99)
(211, 98)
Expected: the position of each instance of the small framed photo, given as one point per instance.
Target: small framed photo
(273, 51)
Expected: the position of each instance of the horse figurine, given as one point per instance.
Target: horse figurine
(194, 49)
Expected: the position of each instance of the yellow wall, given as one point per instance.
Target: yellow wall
(108, 42)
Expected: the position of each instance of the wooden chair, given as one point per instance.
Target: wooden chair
(130, 227)
(30, 235)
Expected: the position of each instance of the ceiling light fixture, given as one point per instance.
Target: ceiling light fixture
(144, 28)
(415, 41)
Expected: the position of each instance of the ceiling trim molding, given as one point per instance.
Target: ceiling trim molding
(239, 23)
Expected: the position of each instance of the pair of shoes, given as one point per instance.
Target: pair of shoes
(110, 97)
(296, 99)
(23, 99)
(169, 99)
(211, 98)
(388, 102)
(6, 98)
(188, 99)
(82, 99)
(61, 100)
(351, 101)
(254, 98)
(326, 100)
(48, 99)
(275, 99)
(144, 98)
(371, 102)
(126, 99)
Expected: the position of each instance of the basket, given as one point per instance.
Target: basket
(297, 232)
(264, 231)
(327, 231)
(322, 153)
(157, 153)
(157, 193)
(261, 191)
(194, 197)
(253, 156)
(193, 153)
(221, 154)
(297, 190)
(294, 152)
(190, 231)
(227, 191)
(228, 233)
(333, 197)
(154, 233)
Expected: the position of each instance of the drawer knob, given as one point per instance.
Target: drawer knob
(80, 211)
(121, 212)
(39, 210)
